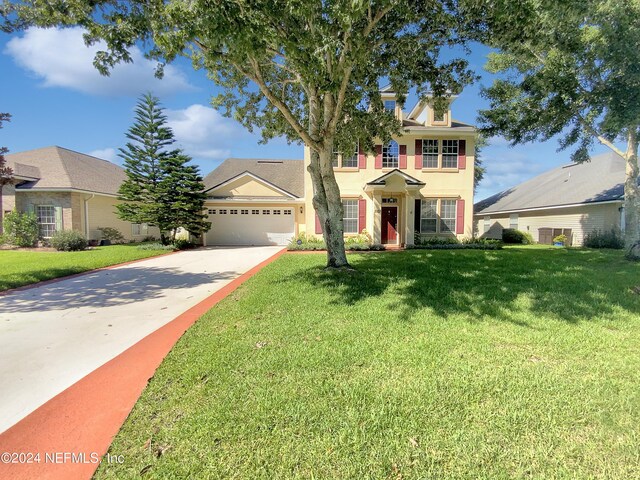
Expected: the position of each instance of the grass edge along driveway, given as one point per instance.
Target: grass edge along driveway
(19, 268)
(521, 363)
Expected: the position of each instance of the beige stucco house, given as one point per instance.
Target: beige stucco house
(418, 183)
(573, 199)
(68, 190)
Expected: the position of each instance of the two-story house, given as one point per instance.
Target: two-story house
(418, 183)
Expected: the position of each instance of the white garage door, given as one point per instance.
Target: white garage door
(250, 226)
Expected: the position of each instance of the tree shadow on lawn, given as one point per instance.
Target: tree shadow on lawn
(568, 285)
(107, 288)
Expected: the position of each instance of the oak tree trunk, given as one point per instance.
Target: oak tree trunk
(632, 199)
(328, 206)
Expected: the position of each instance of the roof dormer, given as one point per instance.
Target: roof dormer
(425, 112)
(390, 101)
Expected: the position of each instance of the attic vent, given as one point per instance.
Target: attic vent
(270, 162)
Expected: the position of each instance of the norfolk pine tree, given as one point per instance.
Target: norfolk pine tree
(305, 70)
(160, 189)
(574, 71)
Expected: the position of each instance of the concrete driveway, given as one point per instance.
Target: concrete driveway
(53, 335)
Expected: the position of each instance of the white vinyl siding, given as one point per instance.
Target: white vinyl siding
(450, 154)
(581, 220)
(350, 219)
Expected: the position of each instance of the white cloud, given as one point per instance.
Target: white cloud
(109, 154)
(506, 169)
(204, 133)
(61, 59)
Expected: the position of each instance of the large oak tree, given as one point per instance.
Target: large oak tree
(572, 69)
(308, 70)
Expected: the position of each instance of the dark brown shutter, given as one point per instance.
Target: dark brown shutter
(362, 214)
(462, 154)
(378, 156)
(418, 154)
(460, 216)
(403, 157)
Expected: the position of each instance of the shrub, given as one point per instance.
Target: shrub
(511, 235)
(20, 229)
(306, 242)
(427, 241)
(610, 239)
(149, 238)
(156, 246)
(481, 241)
(562, 238)
(112, 234)
(183, 244)
(68, 241)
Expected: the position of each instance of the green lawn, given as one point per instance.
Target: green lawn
(18, 268)
(520, 363)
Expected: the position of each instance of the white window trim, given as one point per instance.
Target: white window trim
(356, 218)
(389, 157)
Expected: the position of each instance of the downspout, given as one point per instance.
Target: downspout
(86, 214)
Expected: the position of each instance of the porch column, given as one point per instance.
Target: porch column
(410, 202)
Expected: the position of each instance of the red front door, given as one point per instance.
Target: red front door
(389, 225)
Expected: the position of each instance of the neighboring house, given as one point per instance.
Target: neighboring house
(68, 191)
(419, 183)
(574, 199)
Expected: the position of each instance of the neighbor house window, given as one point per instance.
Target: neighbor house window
(223, 212)
(513, 221)
(212, 211)
(255, 212)
(350, 219)
(276, 212)
(287, 212)
(390, 155)
(429, 153)
(447, 216)
(46, 220)
(244, 212)
(390, 106)
(138, 229)
(266, 212)
(486, 224)
(450, 154)
(429, 216)
(233, 212)
(352, 160)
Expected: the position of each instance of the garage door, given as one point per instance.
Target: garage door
(250, 226)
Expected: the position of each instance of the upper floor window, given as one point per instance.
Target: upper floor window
(351, 161)
(438, 116)
(334, 159)
(350, 220)
(429, 153)
(390, 155)
(390, 106)
(450, 154)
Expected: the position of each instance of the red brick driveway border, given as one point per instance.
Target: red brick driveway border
(71, 433)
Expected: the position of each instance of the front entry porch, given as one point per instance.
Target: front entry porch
(393, 196)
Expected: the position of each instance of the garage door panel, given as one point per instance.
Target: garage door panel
(252, 228)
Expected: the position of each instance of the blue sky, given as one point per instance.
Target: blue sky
(56, 97)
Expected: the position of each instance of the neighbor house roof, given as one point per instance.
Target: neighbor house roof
(57, 168)
(599, 180)
(287, 175)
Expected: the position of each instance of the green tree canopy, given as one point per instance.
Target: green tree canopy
(570, 68)
(307, 70)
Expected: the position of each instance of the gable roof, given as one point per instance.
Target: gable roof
(395, 172)
(599, 180)
(287, 175)
(57, 168)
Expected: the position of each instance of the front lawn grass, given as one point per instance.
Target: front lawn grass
(520, 363)
(18, 268)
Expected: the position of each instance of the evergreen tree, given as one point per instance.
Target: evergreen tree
(6, 173)
(160, 189)
(182, 195)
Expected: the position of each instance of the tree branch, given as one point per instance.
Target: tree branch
(278, 103)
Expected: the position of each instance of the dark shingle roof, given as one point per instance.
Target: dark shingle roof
(288, 175)
(59, 168)
(598, 180)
